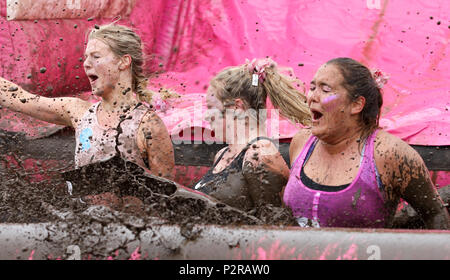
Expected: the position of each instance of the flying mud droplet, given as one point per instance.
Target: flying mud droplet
(13, 88)
(126, 91)
(43, 70)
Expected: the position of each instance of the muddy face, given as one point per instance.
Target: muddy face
(328, 101)
(101, 67)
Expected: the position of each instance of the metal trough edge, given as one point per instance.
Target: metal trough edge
(158, 241)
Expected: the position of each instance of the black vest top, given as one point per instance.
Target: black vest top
(229, 185)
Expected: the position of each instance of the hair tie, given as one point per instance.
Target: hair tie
(257, 68)
(380, 78)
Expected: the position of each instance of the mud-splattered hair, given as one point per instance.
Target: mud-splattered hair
(236, 82)
(359, 81)
(122, 41)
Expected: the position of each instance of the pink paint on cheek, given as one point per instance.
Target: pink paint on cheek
(328, 102)
(329, 99)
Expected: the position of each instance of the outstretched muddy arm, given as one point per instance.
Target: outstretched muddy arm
(63, 110)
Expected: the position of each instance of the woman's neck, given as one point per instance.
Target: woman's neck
(114, 105)
(119, 100)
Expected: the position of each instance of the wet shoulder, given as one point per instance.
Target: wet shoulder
(151, 128)
(391, 148)
(298, 142)
(216, 157)
(152, 121)
(395, 159)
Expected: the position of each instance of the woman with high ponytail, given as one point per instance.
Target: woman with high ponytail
(346, 170)
(249, 172)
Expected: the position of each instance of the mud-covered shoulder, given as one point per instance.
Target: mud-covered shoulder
(397, 162)
(151, 126)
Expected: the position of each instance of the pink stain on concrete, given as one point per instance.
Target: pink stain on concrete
(328, 251)
(276, 251)
(30, 258)
(351, 253)
(135, 255)
(116, 253)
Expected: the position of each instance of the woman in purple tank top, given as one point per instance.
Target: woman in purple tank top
(346, 172)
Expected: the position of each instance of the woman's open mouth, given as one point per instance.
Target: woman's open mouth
(316, 115)
(92, 78)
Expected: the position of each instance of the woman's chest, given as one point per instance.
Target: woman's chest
(333, 170)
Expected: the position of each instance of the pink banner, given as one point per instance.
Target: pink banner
(406, 39)
(192, 40)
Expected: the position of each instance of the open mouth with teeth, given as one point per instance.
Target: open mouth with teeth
(316, 115)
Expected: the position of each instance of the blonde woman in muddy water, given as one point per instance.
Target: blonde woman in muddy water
(119, 124)
(346, 171)
(250, 171)
(113, 62)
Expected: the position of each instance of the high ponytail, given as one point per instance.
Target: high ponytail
(240, 82)
(284, 96)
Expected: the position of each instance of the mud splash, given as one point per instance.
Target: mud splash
(109, 205)
(120, 186)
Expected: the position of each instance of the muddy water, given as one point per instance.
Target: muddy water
(119, 186)
(109, 205)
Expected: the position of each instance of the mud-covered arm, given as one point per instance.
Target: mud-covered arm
(154, 140)
(266, 173)
(62, 111)
(405, 175)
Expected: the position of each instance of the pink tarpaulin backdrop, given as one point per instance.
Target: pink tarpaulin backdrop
(409, 40)
(193, 40)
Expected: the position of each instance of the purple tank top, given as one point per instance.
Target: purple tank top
(360, 205)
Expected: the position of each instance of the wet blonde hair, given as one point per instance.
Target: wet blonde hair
(123, 40)
(236, 82)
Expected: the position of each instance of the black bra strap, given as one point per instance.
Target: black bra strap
(220, 157)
